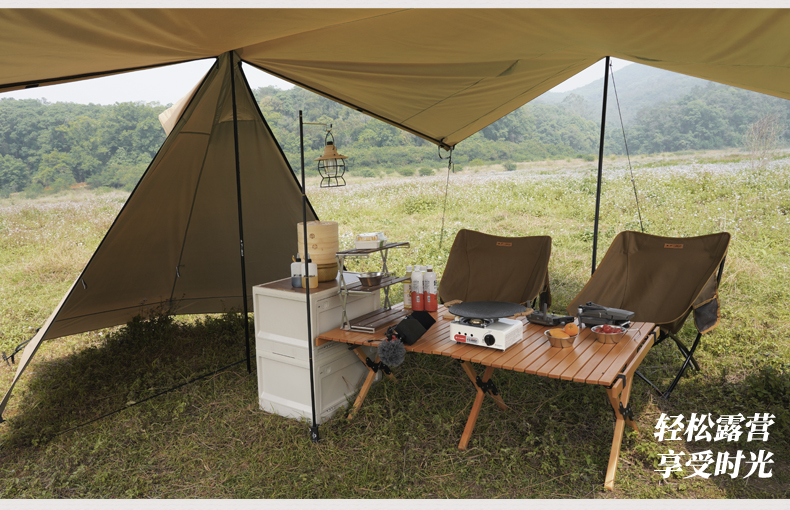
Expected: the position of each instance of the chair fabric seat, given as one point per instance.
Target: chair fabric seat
(661, 279)
(483, 267)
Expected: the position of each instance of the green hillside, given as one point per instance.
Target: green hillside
(710, 117)
(638, 87)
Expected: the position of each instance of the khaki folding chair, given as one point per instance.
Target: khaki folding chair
(483, 267)
(662, 280)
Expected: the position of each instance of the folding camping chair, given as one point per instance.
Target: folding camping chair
(483, 267)
(662, 280)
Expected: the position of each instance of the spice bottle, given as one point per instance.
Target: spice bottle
(407, 289)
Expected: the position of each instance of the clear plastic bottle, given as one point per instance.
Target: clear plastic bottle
(297, 268)
(417, 302)
(429, 290)
(407, 289)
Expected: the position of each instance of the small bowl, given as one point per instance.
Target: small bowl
(562, 343)
(370, 279)
(608, 338)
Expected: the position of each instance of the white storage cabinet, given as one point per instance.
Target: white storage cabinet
(282, 355)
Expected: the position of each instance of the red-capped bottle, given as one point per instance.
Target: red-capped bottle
(429, 286)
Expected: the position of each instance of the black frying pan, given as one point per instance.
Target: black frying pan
(486, 309)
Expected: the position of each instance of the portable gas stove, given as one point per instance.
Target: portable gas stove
(481, 323)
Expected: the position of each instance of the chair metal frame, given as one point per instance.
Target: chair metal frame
(688, 353)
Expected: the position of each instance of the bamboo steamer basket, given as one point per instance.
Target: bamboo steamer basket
(323, 243)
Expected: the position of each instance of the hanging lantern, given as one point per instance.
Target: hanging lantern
(331, 165)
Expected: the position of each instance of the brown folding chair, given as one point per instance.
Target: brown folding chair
(483, 267)
(662, 280)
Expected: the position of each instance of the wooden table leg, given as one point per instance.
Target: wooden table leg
(614, 456)
(364, 359)
(363, 392)
(470, 372)
(472, 420)
(618, 395)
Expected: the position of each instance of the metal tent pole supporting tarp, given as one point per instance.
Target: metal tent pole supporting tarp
(241, 222)
(314, 426)
(600, 164)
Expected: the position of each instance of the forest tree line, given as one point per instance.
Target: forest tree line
(58, 145)
(53, 146)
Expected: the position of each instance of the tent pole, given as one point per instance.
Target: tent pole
(314, 427)
(241, 223)
(600, 164)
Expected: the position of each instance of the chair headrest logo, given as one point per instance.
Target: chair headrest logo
(673, 246)
(500, 243)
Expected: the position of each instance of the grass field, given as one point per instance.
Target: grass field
(209, 439)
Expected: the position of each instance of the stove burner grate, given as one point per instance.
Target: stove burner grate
(471, 321)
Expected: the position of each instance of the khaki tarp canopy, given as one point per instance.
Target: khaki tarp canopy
(442, 74)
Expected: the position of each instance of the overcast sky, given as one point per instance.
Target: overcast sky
(168, 84)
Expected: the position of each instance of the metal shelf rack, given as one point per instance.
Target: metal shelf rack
(367, 323)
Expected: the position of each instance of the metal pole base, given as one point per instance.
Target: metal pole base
(314, 437)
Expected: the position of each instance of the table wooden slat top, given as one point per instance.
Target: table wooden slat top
(587, 361)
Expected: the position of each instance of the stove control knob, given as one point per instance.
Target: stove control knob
(489, 339)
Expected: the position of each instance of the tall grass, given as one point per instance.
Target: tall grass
(210, 439)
